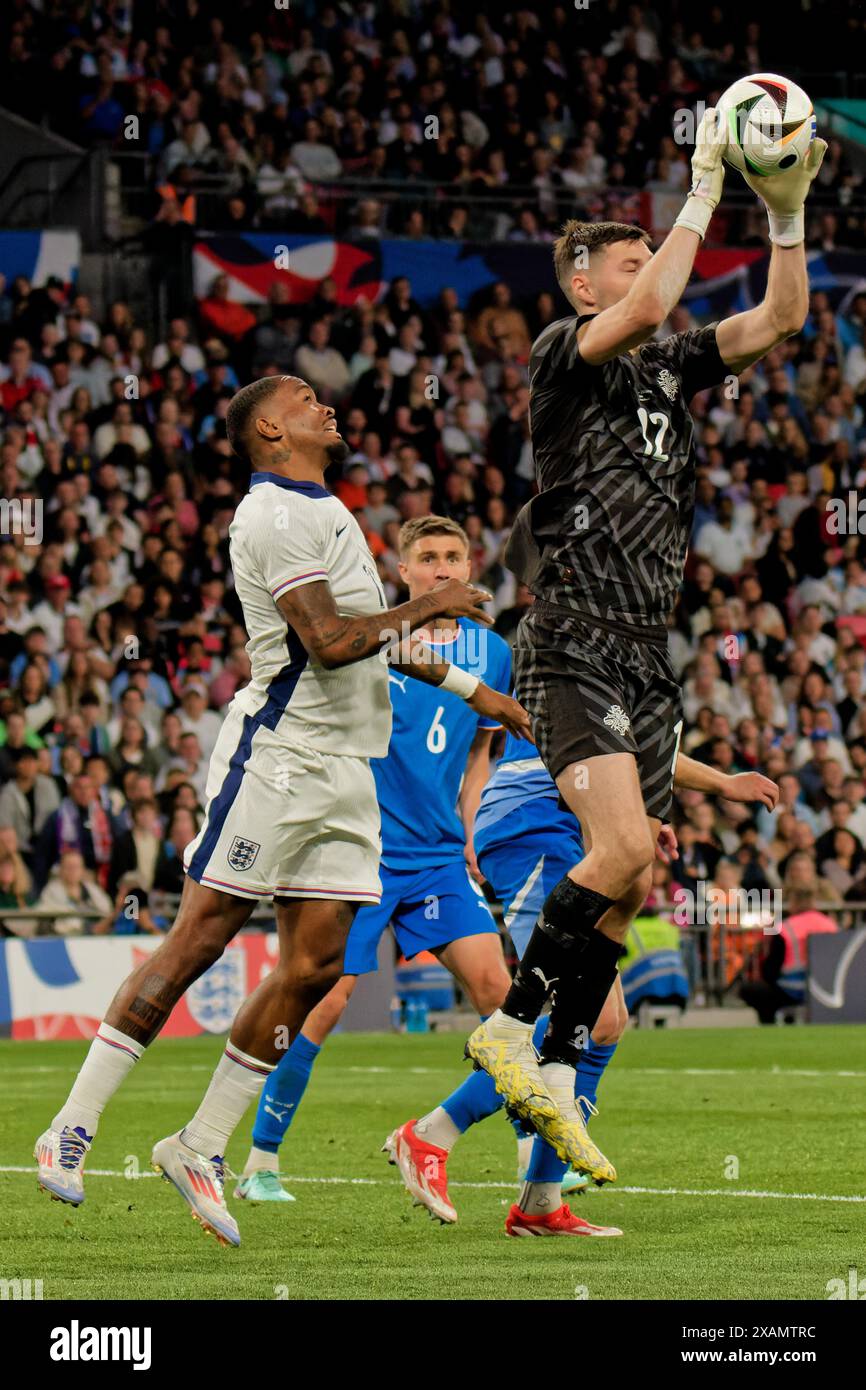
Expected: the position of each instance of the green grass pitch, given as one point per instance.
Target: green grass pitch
(691, 1117)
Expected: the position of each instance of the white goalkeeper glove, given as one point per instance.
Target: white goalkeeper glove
(708, 174)
(784, 196)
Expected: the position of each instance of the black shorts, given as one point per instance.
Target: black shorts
(591, 690)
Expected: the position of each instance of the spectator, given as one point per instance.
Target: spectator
(15, 894)
(27, 801)
(168, 871)
(72, 887)
(784, 968)
(222, 315)
(726, 544)
(322, 365)
(132, 750)
(844, 864)
(191, 764)
(22, 379)
(36, 703)
(80, 823)
(197, 719)
(136, 851)
(169, 239)
(140, 486)
(501, 324)
(132, 912)
(315, 159)
(51, 614)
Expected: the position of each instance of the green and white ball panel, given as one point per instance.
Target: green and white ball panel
(770, 124)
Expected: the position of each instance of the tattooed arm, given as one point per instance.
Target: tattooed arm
(338, 639)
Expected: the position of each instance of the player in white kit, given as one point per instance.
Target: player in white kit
(292, 810)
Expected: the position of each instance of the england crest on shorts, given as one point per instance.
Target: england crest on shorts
(617, 719)
(242, 854)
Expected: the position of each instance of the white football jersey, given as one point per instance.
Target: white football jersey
(285, 534)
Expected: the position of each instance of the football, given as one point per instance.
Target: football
(770, 124)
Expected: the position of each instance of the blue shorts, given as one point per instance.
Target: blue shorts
(522, 872)
(427, 908)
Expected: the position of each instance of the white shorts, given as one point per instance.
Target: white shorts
(286, 820)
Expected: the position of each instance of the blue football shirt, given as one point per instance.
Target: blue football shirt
(520, 799)
(418, 783)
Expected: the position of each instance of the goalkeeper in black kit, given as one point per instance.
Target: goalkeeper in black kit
(603, 546)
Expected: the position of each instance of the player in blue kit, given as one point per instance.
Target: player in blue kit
(428, 787)
(523, 842)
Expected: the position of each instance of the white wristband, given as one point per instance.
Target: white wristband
(787, 228)
(696, 215)
(460, 683)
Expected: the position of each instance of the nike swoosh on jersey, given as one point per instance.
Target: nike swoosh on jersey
(342, 529)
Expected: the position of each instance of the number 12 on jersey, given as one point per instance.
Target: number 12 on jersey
(653, 447)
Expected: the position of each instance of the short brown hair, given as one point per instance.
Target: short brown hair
(421, 526)
(590, 237)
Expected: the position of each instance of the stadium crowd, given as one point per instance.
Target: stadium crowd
(121, 633)
(121, 640)
(285, 108)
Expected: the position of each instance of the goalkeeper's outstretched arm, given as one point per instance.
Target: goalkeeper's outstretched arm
(660, 281)
(745, 338)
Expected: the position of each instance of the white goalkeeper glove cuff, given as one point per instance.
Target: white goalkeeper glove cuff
(696, 213)
(784, 196)
(787, 228)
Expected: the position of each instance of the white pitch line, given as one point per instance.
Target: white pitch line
(510, 1186)
(415, 1071)
(171, 1066)
(737, 1192)
(625, 1069)
(35, 1069)
(734, 1071)
(439, 1071)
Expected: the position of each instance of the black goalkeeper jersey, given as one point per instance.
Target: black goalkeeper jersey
(614, 456)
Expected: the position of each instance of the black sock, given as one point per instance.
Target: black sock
(579, 1000)
(562, 934)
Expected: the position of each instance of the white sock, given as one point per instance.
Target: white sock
(260, 1158)
(237, 1080)
(559, 1078)
(500, 1020)
(112, 1055)
(540, 1198)
(524, 1154)
(438, 1128)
